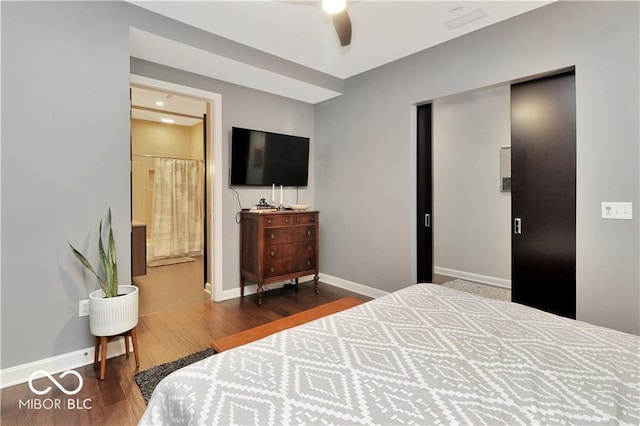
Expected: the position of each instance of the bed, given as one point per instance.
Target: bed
(426, 354)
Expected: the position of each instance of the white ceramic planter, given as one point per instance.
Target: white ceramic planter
(110, 316)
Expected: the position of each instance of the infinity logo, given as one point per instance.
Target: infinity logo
(55, 382)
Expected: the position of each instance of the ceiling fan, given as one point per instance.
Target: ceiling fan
(341, 21)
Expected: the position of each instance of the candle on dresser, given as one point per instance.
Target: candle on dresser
(281, 195)
(273, 194)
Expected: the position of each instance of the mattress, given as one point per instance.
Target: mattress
(425, 354)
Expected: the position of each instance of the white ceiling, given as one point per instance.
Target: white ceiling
(300, 32)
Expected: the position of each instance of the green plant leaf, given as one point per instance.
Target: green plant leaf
(108, 284)
(112, 258)
(104, 263)
(86, 264)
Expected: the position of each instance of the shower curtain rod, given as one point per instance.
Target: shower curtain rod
(167, 158)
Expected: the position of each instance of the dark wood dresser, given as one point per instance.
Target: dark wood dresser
(278, 246)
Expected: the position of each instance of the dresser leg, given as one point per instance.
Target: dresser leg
(260, 291)
(241, 286)
(315, 283)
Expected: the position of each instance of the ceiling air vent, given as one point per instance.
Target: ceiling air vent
(465, 19)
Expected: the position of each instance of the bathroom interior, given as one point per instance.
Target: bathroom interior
(168, 199)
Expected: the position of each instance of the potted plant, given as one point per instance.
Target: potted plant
(113, 309)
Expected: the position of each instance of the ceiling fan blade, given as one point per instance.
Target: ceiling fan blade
(342, 24)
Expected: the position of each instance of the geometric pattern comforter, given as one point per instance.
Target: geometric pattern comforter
(423, 355)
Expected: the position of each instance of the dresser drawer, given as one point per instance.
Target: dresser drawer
(277, 220)
(304, 219)
(286, 220)
(283, 259)
(290, 235)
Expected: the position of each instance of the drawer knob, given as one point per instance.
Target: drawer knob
(273, 253)
(297, 219)
(312, 219)
(269, 221)
(309, 232)
(271, 269)
(286, 221)
(273, 235)
(308, 263)
(308, 248)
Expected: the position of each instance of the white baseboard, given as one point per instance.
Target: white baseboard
(253, 288)
(351, 286)
(484, 279)
(334, 281)
(235, 292)
(20, 374)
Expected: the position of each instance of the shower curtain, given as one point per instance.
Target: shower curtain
(177, 208)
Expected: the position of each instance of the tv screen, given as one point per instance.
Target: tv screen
(262, 158)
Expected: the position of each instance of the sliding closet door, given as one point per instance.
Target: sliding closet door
(543, 149)
(424, 196)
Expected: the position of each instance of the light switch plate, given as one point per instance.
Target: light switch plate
(617, 210)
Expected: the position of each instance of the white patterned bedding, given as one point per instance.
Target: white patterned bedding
(423, 355)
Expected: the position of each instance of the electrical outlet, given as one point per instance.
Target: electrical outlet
(83, 308)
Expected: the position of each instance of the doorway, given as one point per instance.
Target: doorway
(213, 166)
(474, 211)
(168, 182)
(472, 215)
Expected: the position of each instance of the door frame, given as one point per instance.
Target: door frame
(213, 148)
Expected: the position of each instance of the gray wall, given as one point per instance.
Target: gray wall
(365, 147)
(65, 160)
(472, 218)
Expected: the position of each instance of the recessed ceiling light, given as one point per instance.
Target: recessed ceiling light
(168, 120)
(159, 103)
(334, 6)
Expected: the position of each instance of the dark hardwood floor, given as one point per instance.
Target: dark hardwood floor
(162, 337)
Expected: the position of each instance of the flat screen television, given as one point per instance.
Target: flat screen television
(263, 158)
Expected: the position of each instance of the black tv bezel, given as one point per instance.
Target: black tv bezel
(265, 185)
